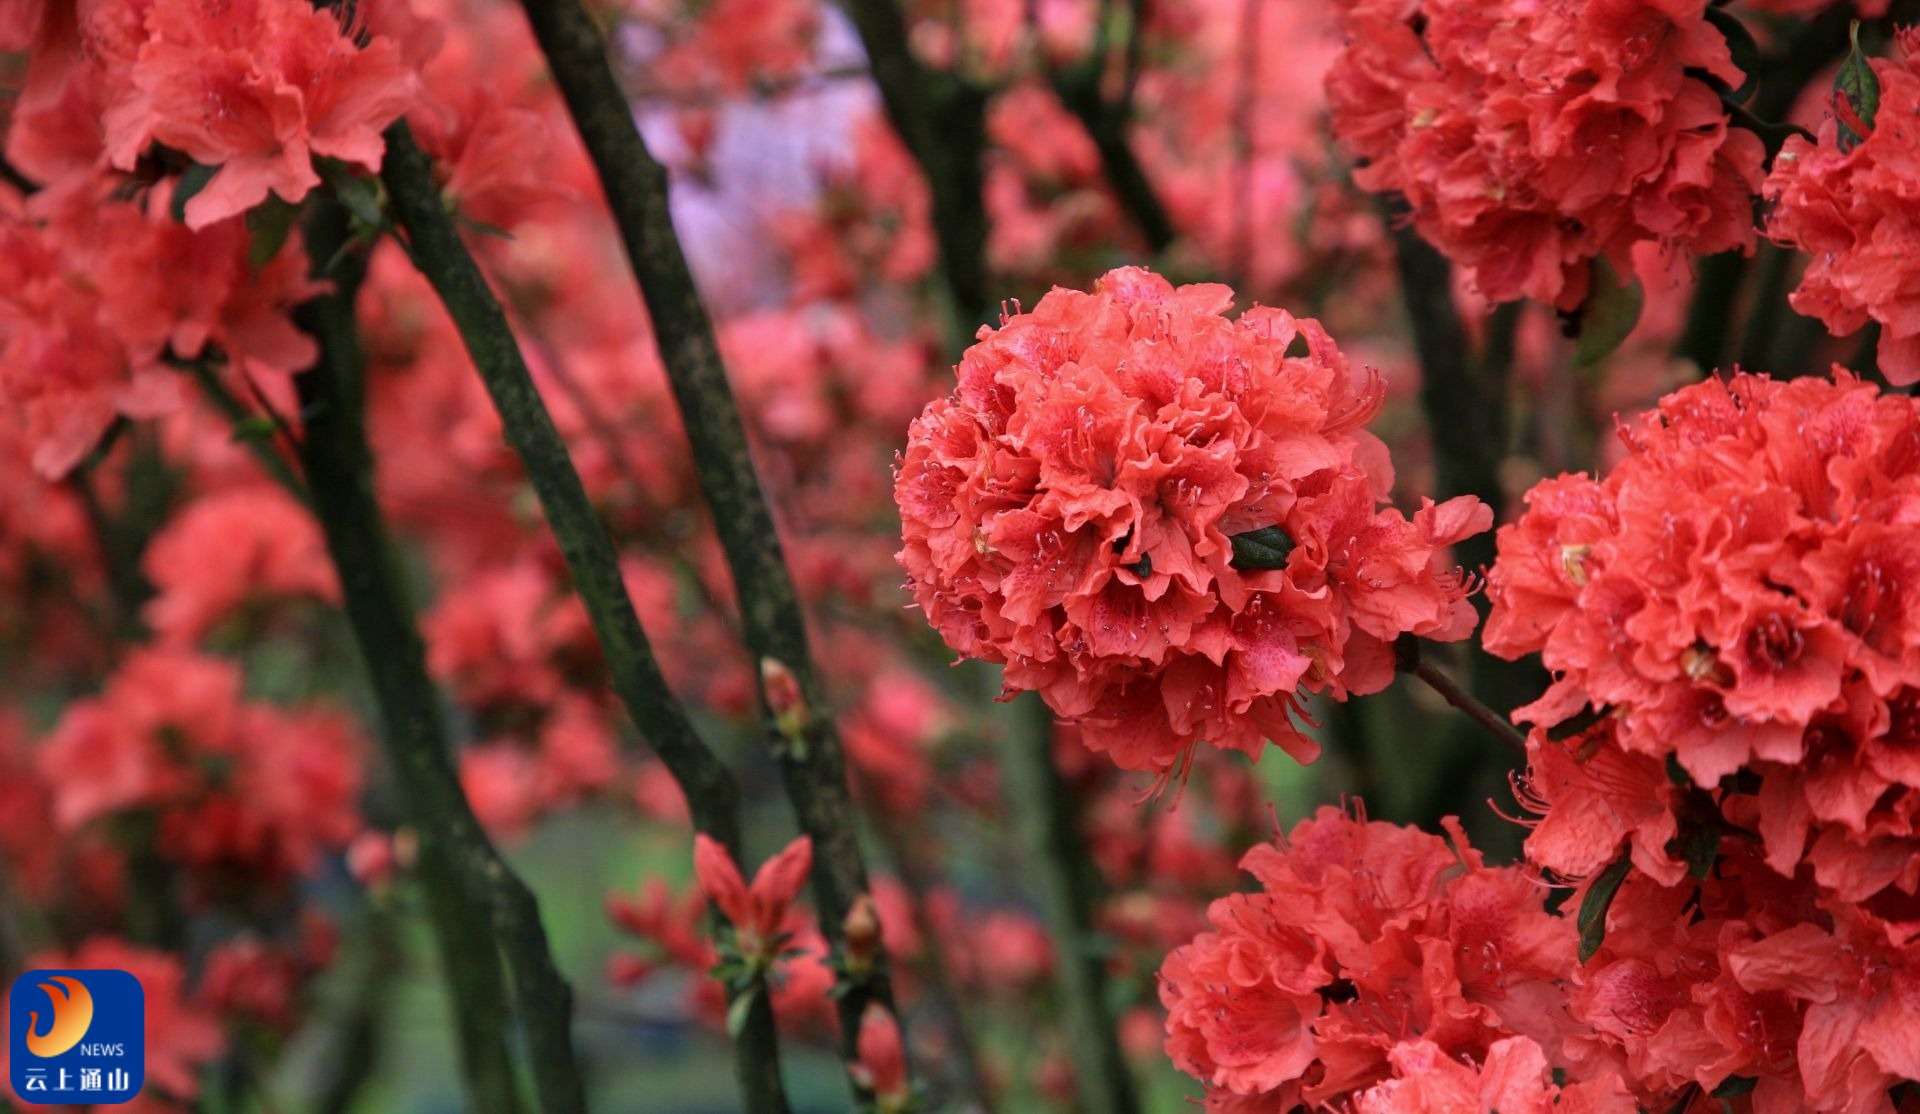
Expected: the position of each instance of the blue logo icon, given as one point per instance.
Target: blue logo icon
(76, 1037)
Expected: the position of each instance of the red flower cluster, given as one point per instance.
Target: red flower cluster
(256, 88)
(1741, 596)
(1513, 1078)
(236, 788)
(1735, 983)
(1850, 207)
(1071, 512)
(1530, 138)
(229, 553)
(96, 295)
(1370, 950)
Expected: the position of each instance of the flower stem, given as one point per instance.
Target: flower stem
(236, 412)
(1453, 693)
(712, 795)
(775, 626)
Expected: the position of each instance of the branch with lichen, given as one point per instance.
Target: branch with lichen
(712, 796)
(807, 742)
(458, 867)
(942, 119)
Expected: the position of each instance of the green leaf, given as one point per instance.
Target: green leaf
(360, 195)
(485, 229)
(1733, 1086)
(259, 427)
(1592, 920)
(1265, 548)
(1856, 94)
(1677, 773)
(192, 181)
(1611, 311)
(268, 223)
(1746, 52)
(1699, 846)
(738, 1010)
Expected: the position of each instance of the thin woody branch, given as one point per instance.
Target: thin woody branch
(814, 768)
(942, 118)
(453, 848)
(1108, 120)
(592, 560)
(1068, 882)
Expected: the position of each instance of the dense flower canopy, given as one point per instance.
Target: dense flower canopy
(1369, 949)
(1530, 139)
(1849, 203)
(1072, 512)
(1739, 597)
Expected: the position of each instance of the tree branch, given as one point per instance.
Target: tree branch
(636, 187)
(1108, 119)
(453, 849)
(712, 796)
(942, 119)
(237, 412)
(1411, 661)
(1069, 890)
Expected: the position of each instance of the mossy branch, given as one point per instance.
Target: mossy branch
(775, 626)
(712, 796)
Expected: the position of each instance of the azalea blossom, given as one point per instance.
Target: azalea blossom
(1738, 597)
(1364, 938)
(257, 89)
(756, 912)
(1076, 509)
(881, 1069)
(1848, 205)
(1529, 139)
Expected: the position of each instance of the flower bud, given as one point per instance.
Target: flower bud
(784, 699)
(860, 936)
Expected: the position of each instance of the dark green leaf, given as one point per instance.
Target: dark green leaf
(269, 224)
(1611, 311)
(1265, 548)
(259, 427)
(1677, 773)
(192, 181)
(1143, 568)
(1746, 52)
(741, 1006)
(358, 193)
(486, 229)
(1734, 1086)
(1856, 94)
(1699, 846)
(1592, 919)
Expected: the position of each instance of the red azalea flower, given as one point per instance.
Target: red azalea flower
(1852, 211)
(1739, 595)
(1071, 512)
(1365, 936)
(757, 912)
(1529, 139)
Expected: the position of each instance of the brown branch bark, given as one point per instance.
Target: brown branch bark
(942, 118)
(636, 188)
(454, 851)
(594, 563)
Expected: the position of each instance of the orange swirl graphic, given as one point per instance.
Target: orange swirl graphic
(72, 1014)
